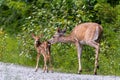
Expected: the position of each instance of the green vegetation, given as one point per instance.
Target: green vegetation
(20, 18)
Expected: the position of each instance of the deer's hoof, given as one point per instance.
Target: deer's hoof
(47, 71)
(52, 71)
(79, 72)
(95, 73)
(43, 71)
(36, 70)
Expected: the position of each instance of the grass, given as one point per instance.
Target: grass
(62, 62)
(10, 52)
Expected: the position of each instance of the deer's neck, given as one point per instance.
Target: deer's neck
(66, 39)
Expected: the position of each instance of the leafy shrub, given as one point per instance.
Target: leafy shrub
(21, 18)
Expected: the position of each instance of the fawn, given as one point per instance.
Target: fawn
(44, 49)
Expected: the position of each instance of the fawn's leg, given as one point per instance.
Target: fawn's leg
(38, 57)
(45, 64)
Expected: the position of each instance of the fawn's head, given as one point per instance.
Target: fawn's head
(36, 38)
(59, 33)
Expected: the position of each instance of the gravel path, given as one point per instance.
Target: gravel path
(16, 72)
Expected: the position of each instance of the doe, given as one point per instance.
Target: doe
(86, 33)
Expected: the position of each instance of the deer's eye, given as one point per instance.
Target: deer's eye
(53, 36)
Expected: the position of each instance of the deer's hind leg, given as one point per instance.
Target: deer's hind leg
(45, 64)
(96, 46)
(79, 50)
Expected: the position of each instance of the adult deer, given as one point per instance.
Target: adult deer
(85, 33)
(44, 49)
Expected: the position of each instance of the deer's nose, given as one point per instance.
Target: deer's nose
(37, 41)
(50, 41)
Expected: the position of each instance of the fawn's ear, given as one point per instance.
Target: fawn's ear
(58, 29)
(64, 30)
(33, 36)
(41, 35)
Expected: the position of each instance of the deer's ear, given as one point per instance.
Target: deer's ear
(64, 30)
(33, 36)
(41, 35)
(58, 29)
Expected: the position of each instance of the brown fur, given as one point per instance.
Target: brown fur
(42, 49)
(85, 33)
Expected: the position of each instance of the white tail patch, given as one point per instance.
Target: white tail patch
(96, 34)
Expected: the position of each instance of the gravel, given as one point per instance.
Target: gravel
(15, 72)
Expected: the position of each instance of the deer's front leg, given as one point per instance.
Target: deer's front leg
(50, 64)
(49, 58)
(45, 64)
(38, 57)
(79, 50)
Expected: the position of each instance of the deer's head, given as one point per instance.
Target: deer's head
(36, 38)
(59, 33)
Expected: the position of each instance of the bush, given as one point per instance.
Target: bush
(21, 18)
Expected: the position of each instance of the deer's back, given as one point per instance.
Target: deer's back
(44, 47)
(87, 31)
